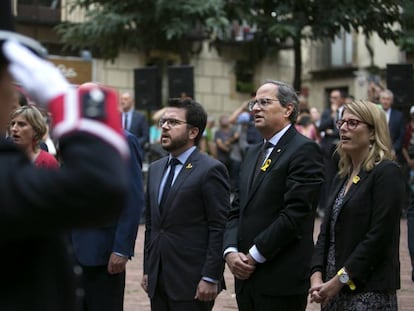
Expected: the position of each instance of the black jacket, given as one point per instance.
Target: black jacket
(277, 214)
(367, 229)
(39, 205)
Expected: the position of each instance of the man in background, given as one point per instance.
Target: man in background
(329, 141)
(133, 120)
(104, 251)
(395, 121)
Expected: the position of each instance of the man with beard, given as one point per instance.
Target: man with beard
(188, 196)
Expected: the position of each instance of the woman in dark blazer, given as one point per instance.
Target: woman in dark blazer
(355, 265)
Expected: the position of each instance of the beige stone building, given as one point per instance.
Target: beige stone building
(339, 64)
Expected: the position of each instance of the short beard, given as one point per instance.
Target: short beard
(176, 144)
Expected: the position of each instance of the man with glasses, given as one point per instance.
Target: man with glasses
(269, 237)
(188, 198)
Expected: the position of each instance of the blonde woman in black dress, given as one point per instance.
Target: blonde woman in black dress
(355, 265)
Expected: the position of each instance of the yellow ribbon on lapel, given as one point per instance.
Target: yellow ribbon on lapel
(356, 179)
(266, 165)
(189, 166)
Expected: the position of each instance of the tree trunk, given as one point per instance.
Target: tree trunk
(297, 48)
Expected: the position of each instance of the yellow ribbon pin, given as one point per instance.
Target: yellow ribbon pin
(266, 165)
(356, 179)
(189, 166)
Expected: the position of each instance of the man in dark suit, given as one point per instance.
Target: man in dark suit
(329, 141)
(133, 120)
(103, 252)
(269, 237)
(395, 122)
(188, 198)
(38, 206)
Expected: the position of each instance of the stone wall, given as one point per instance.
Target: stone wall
(215, 80)
(214, 77)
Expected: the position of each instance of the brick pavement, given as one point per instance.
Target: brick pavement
(136, 299)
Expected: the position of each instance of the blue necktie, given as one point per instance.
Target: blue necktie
(167, 186)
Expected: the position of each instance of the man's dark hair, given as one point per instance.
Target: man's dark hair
(342, 93)
(195, 114)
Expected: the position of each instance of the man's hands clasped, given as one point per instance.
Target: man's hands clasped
(206, 291)
(241, 265)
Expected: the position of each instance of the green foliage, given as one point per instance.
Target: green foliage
(172, 25)
(319, 19)
(288, 22)
(407, 38)
(245, 87)
(142, 25)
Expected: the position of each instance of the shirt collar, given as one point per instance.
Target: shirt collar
(388, 114)
(275, 139)
(183, 157)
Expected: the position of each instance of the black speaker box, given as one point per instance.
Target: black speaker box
(147, 87)
(180, 81)
(400, 82)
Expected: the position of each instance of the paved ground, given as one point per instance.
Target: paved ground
(136, 299)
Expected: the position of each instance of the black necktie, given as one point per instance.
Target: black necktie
(261, 158)
(125, 121)
(167, 186)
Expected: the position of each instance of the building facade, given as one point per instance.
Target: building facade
(351, 63)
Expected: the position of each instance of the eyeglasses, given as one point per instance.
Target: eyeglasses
(170, 122)
(261, 102)
(352, 124)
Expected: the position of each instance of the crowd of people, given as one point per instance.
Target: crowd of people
(243, 194)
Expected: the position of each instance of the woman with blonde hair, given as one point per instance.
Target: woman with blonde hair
(355, 265)
(27, 128)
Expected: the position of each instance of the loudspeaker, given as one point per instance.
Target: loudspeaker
(400, 82)
(180, 81)
(147, 88)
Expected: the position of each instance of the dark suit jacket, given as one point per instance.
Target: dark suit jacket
(396, 125)
(139, 127)
(367, 230)
(38, 205)
(277, 214)
(329, 141)
(93, 246)
(187, 238)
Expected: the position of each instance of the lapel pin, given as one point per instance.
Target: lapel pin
(356, 179)
(278, 150)
(189, 166)
(266, 165)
